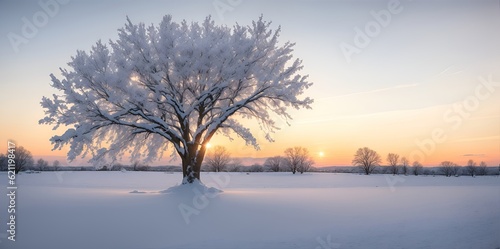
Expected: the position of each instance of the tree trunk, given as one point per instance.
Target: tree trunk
(190, 170)
(191, 164)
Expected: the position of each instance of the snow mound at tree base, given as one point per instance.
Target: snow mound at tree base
(196, 187)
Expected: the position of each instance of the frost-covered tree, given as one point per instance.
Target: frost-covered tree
(367, 159)
(175, 84)
(393, 160)
(218, 159)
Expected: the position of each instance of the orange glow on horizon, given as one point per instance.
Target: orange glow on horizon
(339, 152)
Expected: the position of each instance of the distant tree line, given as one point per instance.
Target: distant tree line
(369, 161)
(24, 162)
(294, 159)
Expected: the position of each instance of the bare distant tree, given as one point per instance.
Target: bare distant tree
(136, 165)
(116, 167)
(393, 160)
(382, 170)
(456, 170)
(447, 168)
(417, 168)
(144, 167)
(3, 162)
(298, 159)
(404, 165)
(256, 168)
(218, 158)
(56, 165)
(471, 168)
(367, 159)
(306, 166)
(427, 172)
(103, 168)
(275, 163)
(41, 164)
(482, 169)
(24, 159)
(235, 166)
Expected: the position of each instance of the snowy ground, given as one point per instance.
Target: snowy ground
(83, 210)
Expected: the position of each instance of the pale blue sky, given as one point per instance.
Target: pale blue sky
(427, 58)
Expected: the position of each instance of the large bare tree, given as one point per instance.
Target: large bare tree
(174, 84)
(367, 159)
(218, 159)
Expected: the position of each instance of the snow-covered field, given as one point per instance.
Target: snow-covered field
(89, 210)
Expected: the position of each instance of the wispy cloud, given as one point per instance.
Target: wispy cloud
(474, 155)
(448, 71)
